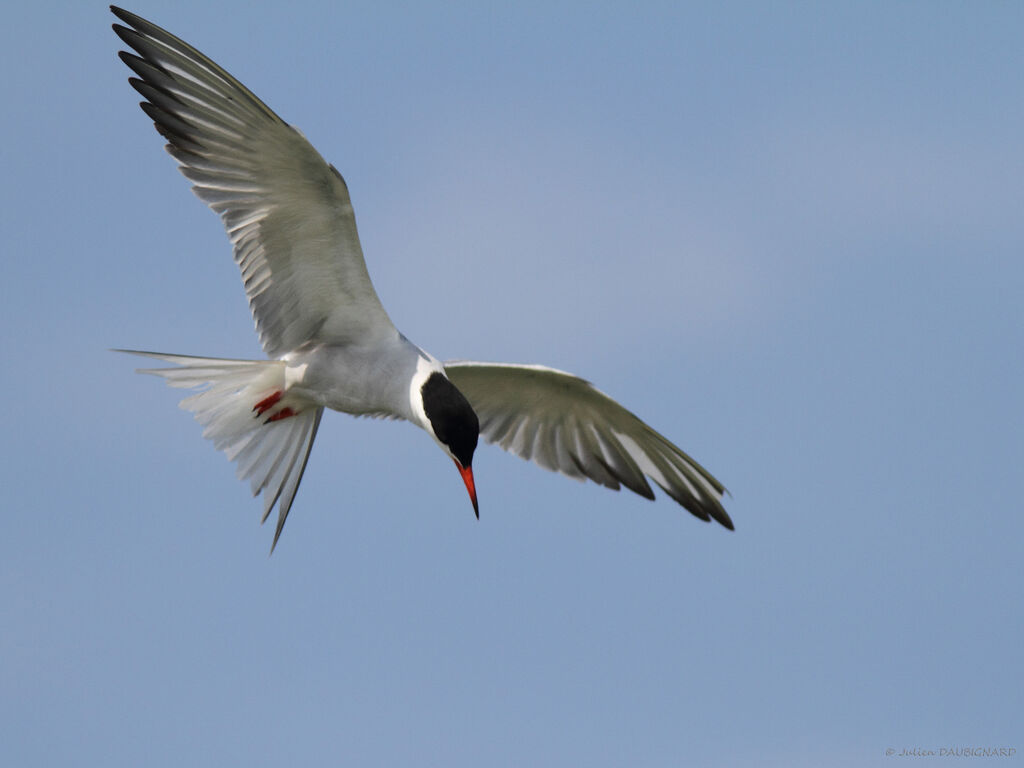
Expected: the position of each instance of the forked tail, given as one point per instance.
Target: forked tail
(244, 409)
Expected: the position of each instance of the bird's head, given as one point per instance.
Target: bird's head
(451, 421)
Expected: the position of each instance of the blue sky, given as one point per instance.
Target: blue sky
(789, 237)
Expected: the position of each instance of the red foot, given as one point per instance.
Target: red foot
(265, 405)
(284, 413)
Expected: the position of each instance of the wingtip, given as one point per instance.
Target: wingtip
(277, 532)
(126, 16)
(722, 517)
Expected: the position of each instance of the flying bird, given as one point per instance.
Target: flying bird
(328, 340)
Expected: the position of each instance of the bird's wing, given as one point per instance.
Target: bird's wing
(563, 423)
(286, 210)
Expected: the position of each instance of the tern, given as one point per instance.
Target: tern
(328, 340)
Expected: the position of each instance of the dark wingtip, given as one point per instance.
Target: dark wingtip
(722, 517)
(126, 16)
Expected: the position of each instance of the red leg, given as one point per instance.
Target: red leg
(284, 413)
(266, 404)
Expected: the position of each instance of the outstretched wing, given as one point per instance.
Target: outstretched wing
(562, 423)
(285, 209)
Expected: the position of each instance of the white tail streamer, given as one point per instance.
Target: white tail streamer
(271, 455)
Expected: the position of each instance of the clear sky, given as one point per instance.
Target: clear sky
(791, 239)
